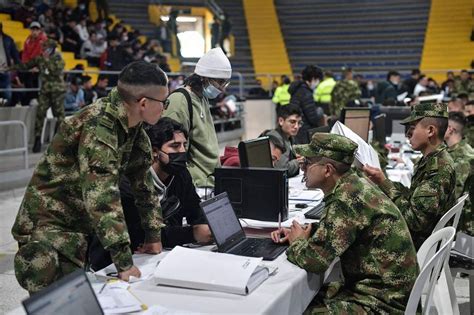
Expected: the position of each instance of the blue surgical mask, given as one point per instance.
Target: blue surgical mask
(211, 91)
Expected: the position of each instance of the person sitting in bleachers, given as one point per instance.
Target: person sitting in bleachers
(387, 91)
(74, 96)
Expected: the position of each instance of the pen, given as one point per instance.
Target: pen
(279, 226)
(103, 287)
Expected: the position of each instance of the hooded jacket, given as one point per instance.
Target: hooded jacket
(302, 96)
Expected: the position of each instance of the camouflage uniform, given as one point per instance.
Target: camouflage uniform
(74, 193)
(466, 87)
(431, 193)
(344, 91)
(463, 155)
(53, 91)
(367, 231)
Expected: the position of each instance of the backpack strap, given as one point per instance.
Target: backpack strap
(190, 110)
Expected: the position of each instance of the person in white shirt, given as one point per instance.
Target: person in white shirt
(421, 86)
(92, 49)
(81, 29)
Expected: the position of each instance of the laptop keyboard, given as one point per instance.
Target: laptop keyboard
(315, 213)
(253, 246)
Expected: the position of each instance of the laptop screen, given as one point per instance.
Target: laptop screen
(357, 120)
(222, 220)
(72, 294)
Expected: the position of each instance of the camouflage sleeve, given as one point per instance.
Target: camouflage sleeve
(98, 167)
(56, 66)
(463, 168)
(27, 65)
(419, 206)
(336, 232)
(148, 205)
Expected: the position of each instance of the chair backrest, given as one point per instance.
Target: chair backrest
(430, 267)
(455, 212)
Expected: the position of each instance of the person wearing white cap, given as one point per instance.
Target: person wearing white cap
(210, 78)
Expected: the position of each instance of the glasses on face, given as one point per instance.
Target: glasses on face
(165, 102)
(220, 84)
(293, 122)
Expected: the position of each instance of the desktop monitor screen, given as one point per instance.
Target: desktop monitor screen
(357, 119)
(379, 129)
(71, 295)
(255, 153)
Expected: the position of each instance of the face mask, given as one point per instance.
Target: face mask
(180, 82)
(314, 84)
(176, 164)
(211, 91)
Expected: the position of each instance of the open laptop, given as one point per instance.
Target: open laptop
(255, 153)
(72, 295)
(229, 235)
(357, 120)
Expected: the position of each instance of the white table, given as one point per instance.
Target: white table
(288, 292)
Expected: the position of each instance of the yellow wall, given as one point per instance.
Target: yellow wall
(266, 40)
(447, 40)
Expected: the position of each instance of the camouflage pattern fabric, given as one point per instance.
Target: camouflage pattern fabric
(463, 155)
(469, 132)
(430, 196)
(466, 87)
(52, 92)
(332, 146)
(74, 189)
(367, 231)
(423, 110)
(344, 91)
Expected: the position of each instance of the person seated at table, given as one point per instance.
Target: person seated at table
(277, 149)
(432, 190)
(361, 226)
(289, 123)
(174, 187)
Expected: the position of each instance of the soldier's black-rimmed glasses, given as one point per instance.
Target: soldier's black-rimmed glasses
(165, 102)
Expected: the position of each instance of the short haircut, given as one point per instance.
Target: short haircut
(340, 168)
(102, 77)
(459, 118)
(392, 73)
(274, 140)
(288, 110)
(312, 72)
(421, 77)
(440, 123)
(139, 75)
(415, 71)
(285, 80)
(163, 131)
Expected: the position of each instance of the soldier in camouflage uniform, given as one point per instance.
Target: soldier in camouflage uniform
(74, 191)
(344, 91)
(361, 226)
(53, 90)
(464, 85)
(462, 154)
(431, 193)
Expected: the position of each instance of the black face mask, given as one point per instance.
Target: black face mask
(176, 164)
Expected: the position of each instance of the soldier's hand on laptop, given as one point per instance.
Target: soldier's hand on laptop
(150, 248)
(280, 235)
(125, 275)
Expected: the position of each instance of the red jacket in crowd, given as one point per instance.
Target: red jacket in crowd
(32, 47)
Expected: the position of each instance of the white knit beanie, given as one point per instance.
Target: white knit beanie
(214, 64)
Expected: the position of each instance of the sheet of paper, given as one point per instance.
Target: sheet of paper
(114, 299)
(365, 154)
(160, 310)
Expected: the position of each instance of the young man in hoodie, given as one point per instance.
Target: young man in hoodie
(302, 96)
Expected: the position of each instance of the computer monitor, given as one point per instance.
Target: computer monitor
(379, 129)
(72, 294)
(358, 120)
(255, 153)
(395, 114)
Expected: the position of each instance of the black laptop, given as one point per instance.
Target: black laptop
(229, 235)
(71, 295)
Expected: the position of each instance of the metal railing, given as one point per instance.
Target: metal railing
(23, 148)
(240, 79)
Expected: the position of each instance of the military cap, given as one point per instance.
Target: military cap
(422, 110)
(49, 43)
(328, 145)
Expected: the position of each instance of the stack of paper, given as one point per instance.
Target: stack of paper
(195, 269)
(115, 298)
(365, 154)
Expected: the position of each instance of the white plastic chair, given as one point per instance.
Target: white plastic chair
(430, 267)
(52, 123)
(445, 285)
